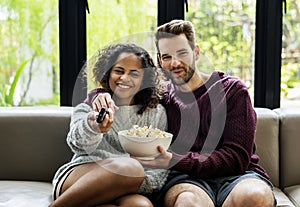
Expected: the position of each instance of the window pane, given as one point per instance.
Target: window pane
(120, 21)
(226, 34)
(29, 52)
(290, 70)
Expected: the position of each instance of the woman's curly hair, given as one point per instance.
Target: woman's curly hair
(150, 91)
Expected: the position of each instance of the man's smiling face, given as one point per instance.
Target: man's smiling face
(177, 57)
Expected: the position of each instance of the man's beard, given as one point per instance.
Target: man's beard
(182, 80)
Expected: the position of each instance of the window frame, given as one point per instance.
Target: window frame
(72, 48)
(268, 47)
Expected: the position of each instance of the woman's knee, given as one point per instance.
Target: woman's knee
(124, 166)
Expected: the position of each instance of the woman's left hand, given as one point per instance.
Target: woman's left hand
(161, 161)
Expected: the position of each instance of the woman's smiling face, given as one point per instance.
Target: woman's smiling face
(126, 78)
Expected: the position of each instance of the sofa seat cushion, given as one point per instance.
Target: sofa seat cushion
(293, 193)
(25, 193)
(282, 199)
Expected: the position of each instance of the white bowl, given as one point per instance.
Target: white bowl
(143, 147)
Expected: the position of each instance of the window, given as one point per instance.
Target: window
(267, 61)
(290, 69)
(128, 21)
(29, 53)
(226, 36)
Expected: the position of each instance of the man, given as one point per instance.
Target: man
(213, 122)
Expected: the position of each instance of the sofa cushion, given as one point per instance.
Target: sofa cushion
(289, 146)
(266, 139)
(33, 142)
(293, 193)
(267, 143)
(25, 194)
(282, 199)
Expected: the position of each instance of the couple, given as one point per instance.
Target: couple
(212, 159)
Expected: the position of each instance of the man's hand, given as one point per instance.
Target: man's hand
(104, 100)
(161, 161)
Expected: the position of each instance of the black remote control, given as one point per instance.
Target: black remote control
(101, 115)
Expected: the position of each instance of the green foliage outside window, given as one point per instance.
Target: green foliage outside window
(225, 33)
(225, 29)
(290, 69)
(28, 30)
(118, 21)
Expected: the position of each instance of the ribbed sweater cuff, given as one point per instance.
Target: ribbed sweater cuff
(88, 129)
(175, 159)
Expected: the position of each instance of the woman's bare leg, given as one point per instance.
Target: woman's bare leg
(101, 182)
(132, 200)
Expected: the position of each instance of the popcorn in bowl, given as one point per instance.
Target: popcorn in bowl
(142, 142)
(146, 131)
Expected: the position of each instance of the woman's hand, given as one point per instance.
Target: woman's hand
(161, 161)
(105, 125)
(104, 100)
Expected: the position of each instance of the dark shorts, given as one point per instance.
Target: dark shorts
(218, 189)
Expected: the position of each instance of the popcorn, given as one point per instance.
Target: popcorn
(145, 131)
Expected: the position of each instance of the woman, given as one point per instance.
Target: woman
(101, 173)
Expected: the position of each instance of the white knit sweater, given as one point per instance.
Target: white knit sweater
(90, 146)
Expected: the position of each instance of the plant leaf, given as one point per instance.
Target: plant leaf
(9, 98)
(2, 102)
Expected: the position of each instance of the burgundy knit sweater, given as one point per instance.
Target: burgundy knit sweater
(213, 128)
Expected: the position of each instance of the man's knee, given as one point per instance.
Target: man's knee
(186, 198)
(250, 192)
(186, 194)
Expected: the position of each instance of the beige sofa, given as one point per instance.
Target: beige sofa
(33, 146)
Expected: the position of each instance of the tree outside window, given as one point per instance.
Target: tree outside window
(29, 52)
